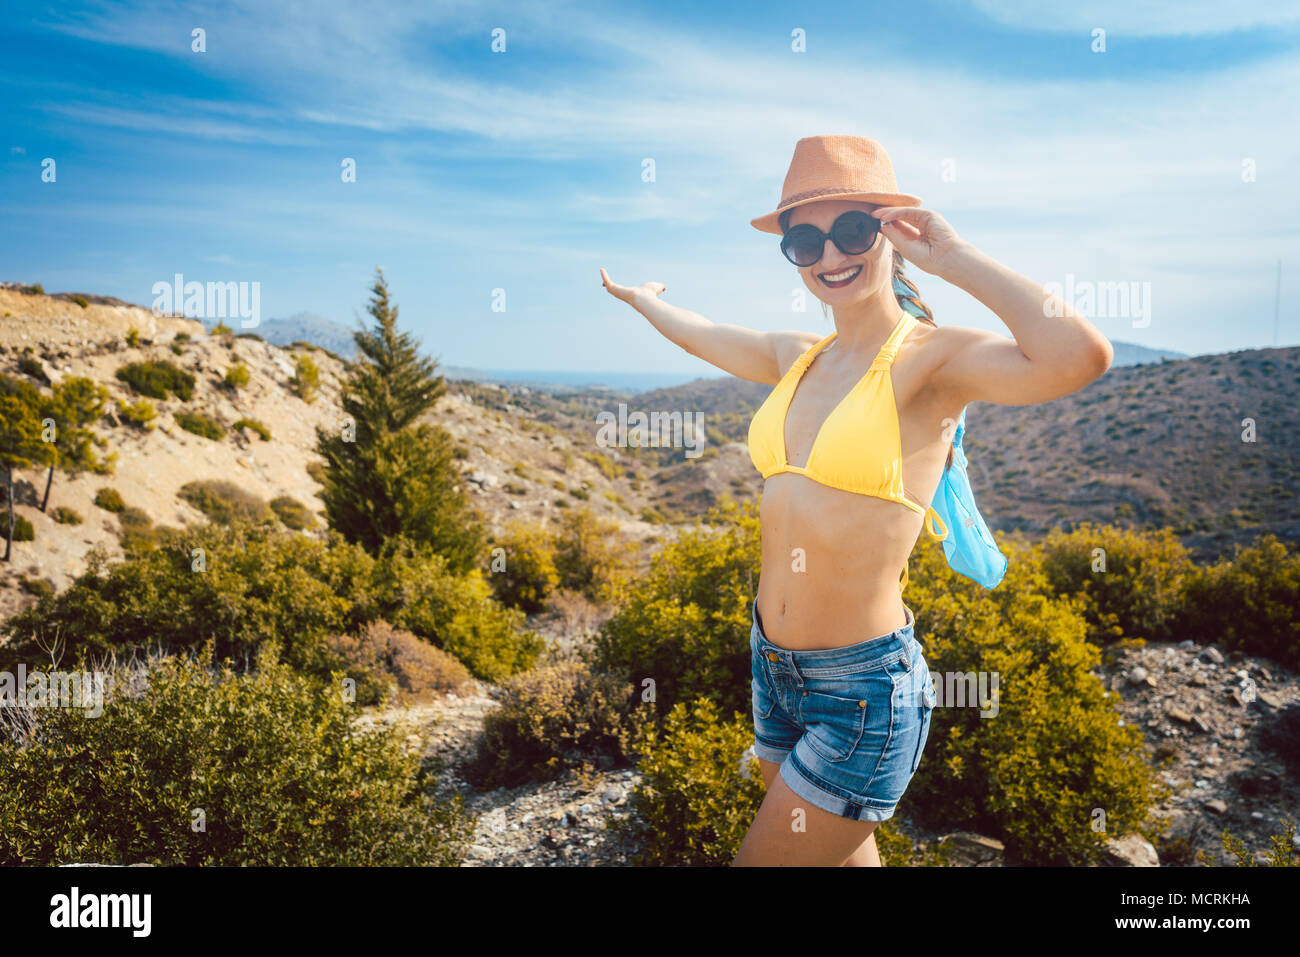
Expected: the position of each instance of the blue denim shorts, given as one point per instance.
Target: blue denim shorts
(847, 725)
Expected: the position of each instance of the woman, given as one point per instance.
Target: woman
(859, 424)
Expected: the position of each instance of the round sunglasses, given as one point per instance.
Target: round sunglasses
(853, 233)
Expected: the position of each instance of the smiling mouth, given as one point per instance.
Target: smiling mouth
(842, 278)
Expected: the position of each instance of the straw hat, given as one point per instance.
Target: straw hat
(836, 167)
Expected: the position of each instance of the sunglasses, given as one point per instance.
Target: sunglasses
(853, 233)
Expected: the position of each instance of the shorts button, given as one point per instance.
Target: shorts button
(862, 704)
(773, 656)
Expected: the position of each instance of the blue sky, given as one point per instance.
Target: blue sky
(522, 170)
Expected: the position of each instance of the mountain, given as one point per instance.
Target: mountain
(307, 327)
(1131, 354)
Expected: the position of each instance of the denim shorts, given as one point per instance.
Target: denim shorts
(847, 725)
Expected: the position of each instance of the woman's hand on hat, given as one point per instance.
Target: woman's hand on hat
(629, 294)
(923, 236)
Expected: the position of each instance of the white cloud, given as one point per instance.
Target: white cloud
(1140, 17)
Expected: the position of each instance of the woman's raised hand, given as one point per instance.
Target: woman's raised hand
(923, 236)
(630, 293)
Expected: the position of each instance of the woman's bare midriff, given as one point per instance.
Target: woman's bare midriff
(831, 564)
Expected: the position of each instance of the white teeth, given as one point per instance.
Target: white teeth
(840, 276)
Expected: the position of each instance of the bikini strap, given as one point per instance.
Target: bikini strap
(889, 351)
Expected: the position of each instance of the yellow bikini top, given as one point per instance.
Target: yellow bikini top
(858, 447)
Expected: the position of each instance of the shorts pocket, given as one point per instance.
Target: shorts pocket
(833, 725)
(928, 699)
(763, 694)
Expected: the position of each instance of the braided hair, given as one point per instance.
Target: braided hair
(898, 280)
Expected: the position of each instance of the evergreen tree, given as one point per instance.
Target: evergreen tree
(398, 476)
(21, 443)
(76, 404)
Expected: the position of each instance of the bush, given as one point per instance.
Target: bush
(415, 590)
(588, 555)
(224, 502)
(36, 586)
(133, 337)
(685, 623)
(254, 426)
(81, 301)
(139, 414)
(306, 378)
(1031, 762)
(293, 513)
(237, 376)
(200, 425)
(528, 574)
(220, 329)
(1247, 603)
(694, 803)
(559, 717)
(138, 531)
(66, 516)
(1136, 595)
(275, 764)
(110, 500)
(157, 378)
(241, 585)
(29, 365)
(23, 529)
(392, 665)
(182, 337)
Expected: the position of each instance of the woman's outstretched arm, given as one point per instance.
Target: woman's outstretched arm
(744, 353)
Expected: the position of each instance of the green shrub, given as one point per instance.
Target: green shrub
(237, 376)
(110, 500)
(182, 337)
(1247, 603)
(273, 762)
(529, 574)
(1031, 765)
(1282, 851)
(306, 378)
(23, 530)
(67, 516)
(138, 531)
(29, 365)
(220, 329)
(241, 585)
(254, 426)
(200, 424)
(685, 623)
(552, 719)
(139, 414)
(1136, 595)
(415, 590)
(390, 665)
(588, 555)
(694, 803)
(293, 513)
(133, 338)
(157, 378)
(36, 586)
(81, 301)
(224, 501)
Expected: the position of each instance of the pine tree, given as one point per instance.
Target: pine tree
(21, 442)
(399, 476)
(76, 404)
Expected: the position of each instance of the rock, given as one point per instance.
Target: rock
(1212, 654)
(1186, 645)
(969, 849)
(1131, 850)
(1137, 676)
(611, 795)
(1217, 806)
